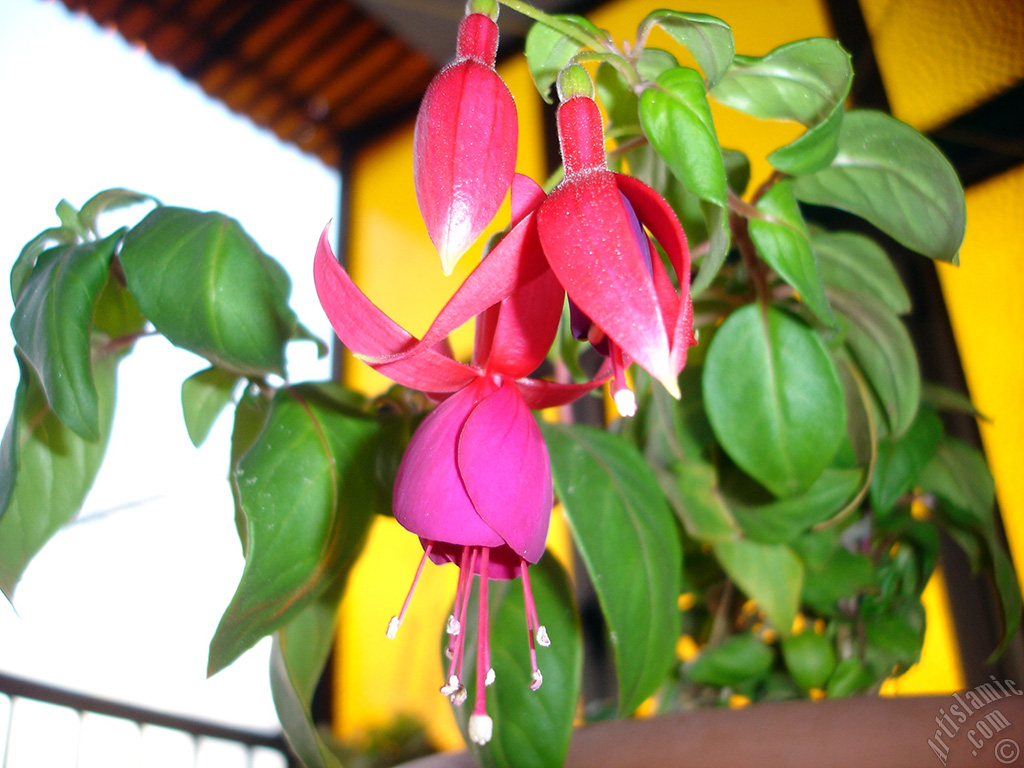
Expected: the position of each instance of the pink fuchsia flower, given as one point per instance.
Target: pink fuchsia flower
(475, 481)
(464, 144)
(593, 228)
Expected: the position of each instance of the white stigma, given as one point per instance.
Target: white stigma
(541, 636)
(625, 402)
(489, 680)
(481, 728)
(537, 681)
(393, 627)
(451, 687)
(453, 627)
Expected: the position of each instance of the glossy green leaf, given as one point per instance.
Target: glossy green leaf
(26, 260)
(769, 574)
(110, 200)
(856, 263)
(530, 727)
(297, 662)
(806, 81)
(207, 287)
(900, 460)
(784, 519)
(707, 38)
(783, 241)
(882, 348)
(773, 398)
(891, 175)
(735, 660)
(653, 62)
(627, 537)
(50, 470)
(676, 118)
(692, 490)
(548, 50)
(117, 316)
(204, 395)
(619, 102)
(52, 323)
(306, 488)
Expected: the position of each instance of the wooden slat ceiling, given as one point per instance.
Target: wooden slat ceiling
(318, 73)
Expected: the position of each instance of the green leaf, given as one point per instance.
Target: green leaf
(26, 260)
(944, 398)
(900, 460)
(806, 81)
(784, 242)
(52, 323)
(843, 575)
(856, 263)
(110, 200)
(735, 660)
(769, 574)
(676, 117)
(530, 727)
(880, 344)
(784, 519)
(47, 469)
(849, 678)
(692, 490)
(251, 414)
(891, 175)
(548, 50)
(653, 62)
(306, 488)
(207, 287)
(773, 398)
(810, 659)
(297, 661)
(707, 38)
(958, 473)
(628, 540)
(203, 396)
(617, 99)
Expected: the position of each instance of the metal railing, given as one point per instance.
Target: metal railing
(66, 738)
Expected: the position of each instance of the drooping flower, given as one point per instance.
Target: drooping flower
(475, 481)
(464, 144)
(593, 228)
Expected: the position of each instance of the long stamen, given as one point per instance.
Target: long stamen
(625, 400)
(454, 688)
(480, 724)
(396, 621)
(535, 632)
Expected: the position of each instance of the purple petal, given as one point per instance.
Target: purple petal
(505, 467)
(429, 498)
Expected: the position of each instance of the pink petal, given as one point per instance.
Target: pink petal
(538, 394)
(368, 332)
(589, 242)
(464, 154)
(506, 471)
(517, 260)
(527, 195)
(660, 219)
(525, 327)
(430, 498)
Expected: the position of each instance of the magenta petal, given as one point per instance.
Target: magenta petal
(368, 332)
(589, 242)
(464, 154)
(429, 497)
(505, 467)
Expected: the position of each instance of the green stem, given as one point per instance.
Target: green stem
(567, 29)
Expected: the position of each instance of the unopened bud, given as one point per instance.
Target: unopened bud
(574, 81)
(481, 728)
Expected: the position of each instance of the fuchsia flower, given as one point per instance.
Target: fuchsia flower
(592, 230)
(475, 481)
(464, 145)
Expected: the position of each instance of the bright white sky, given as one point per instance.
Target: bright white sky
(124, 602)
